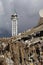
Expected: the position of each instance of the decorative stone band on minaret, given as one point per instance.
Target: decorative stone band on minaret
(41, 17)
(14, 24)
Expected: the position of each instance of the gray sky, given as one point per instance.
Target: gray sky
(27, 11)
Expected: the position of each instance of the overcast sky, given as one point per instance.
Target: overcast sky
(27, 11)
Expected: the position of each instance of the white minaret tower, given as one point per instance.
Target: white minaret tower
(41, 13)
(14, 24)
(41, 17)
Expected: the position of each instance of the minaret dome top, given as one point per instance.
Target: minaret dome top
(14, 16)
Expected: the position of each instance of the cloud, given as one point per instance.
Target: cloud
(1, 8)
(11, 0)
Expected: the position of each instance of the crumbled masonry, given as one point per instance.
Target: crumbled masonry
(24, 49)
(20, 52)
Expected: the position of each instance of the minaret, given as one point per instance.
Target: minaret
(41, 17)
(14, 24)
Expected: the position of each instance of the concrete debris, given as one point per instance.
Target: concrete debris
(9, 61)
(21, 52)
(23, 49)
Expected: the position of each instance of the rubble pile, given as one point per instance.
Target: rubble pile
(20, 52)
